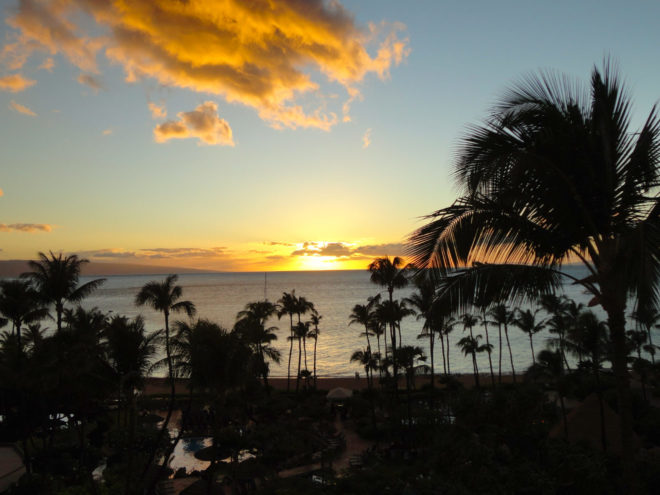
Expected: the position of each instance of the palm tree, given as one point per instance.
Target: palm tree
(526, 321)
(288, 305)
(422, 302)
(315, 319)
(390, 273)
(56, 280)
(444, 330)
(251, 324)
(164, 297)
(409, 356)
(502, 317)
(557, 174)
(470, 346)
(648, 318)
(362, 315)
(19, 304)
(300, 331)
(369, 360)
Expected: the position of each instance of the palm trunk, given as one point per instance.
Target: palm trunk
(432, 361)
(299, 358)
(617, 324)
(442, 348)
(288, 371)
(305, 351)
(476, 369)
(366, 333)
(499, 357)
(315, 341)
(448, 346)
(531, 344)
(170, 407)
(490, 360)
(508, 343)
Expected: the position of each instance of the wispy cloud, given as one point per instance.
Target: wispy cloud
(25, 227)
(91, 81)
(366, 139)
(48, 64)
(270, 56)
(157, 111)
(203, 123)
(17, 107)
(107, 132)
(15, 83)
(2, 193)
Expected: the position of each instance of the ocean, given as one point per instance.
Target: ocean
(220, 296)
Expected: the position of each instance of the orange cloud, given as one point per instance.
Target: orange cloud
(107, 132)
(366, 139)
(48, 64)
(25, 227)
(1, 192)
(45, 26)
(203, 123)
(15, 83)
(21, 109)
(157, 111)
(261, 53)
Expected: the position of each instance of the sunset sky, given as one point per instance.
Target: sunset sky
(267, 135)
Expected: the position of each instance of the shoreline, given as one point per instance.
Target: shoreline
(160, 386)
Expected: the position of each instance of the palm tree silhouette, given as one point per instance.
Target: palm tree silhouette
(502, 317)
(470, 346)
(390, 273)
(288, 305)
(425, 308)
(362, 315)
(648, 318)
(526, 321)
(251, 324)
(315, 319)
(556, 174)
(164, 297)
(56, 280)
(19, 304)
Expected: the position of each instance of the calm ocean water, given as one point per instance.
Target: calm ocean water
(219, 296)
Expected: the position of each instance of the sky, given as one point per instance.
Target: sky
(268, 135)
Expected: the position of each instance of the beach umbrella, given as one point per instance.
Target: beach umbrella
(339, 393)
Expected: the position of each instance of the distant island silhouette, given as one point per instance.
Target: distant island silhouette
(13, 268)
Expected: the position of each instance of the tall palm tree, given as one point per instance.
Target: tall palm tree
(389, 273)
(56, 280)
(470, 346)
(20, 304)
(526, 321)
(502, 317)
(165, 297)
(362, 315)
(428, 308)
(251, 324)
(447, 327)
(288, 305)
(648, 318)
(315, 319)
(556, 174)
